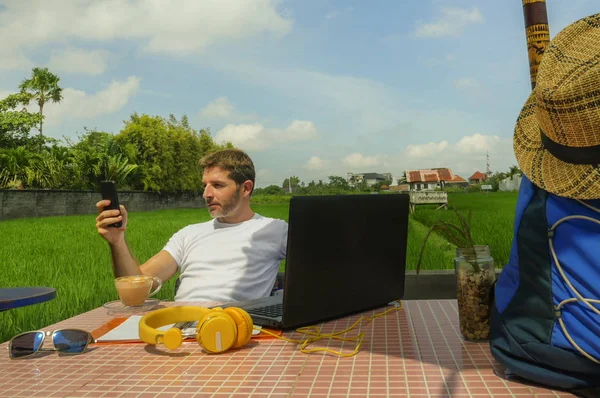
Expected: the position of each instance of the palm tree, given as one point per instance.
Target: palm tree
(43, 85)
(514, 170)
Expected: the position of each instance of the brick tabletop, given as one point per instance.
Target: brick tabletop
(414, 352)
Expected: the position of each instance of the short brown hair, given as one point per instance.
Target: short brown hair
(235, 161)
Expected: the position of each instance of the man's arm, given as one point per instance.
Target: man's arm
(124, 264)
(162, 264)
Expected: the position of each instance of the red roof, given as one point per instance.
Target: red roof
(458, 178)
(445, 174)
(478, 176)
(429, 175)
(414, 176)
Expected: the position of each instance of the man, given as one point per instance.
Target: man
(233, 257)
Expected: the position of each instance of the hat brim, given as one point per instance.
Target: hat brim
(543, 169)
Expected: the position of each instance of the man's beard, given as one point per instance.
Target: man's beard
(227, 208)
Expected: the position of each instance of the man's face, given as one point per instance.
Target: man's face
(221, 193)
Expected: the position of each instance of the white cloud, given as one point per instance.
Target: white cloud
(77, 60)
(368, 103)
(13, 58)
(249, 137)
(477, 144)
(358, 160)
(465, 156)
(255, 137)
(6, 93)
(298, 130)
(264, 173)
(332, 14)
(220, 108)
(425, 150)
(316, 163)
(79, 104)
(182, 27)
(451, 23)
(467, 84)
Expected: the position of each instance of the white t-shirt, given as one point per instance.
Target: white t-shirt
(228, 262)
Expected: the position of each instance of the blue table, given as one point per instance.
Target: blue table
(15, 297)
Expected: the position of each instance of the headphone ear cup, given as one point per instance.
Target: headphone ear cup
(173, 338)
(244, 325)
(216, 332)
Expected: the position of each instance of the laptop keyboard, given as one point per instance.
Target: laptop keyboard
(271, 311)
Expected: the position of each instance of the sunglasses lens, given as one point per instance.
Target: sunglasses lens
(26, 344)
(70, 341)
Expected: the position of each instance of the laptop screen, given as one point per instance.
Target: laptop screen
(345, 254)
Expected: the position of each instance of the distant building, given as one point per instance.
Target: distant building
(477, 178)
(457, 181)
(400, 188)
(369, 178)
(428, 179)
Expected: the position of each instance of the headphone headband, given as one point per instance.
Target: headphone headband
(165, 316)
(217, 330)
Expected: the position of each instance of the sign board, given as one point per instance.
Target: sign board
(425, 197)
(486, 187)
(428, 197)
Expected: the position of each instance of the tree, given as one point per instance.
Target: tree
(363, 186)
(514, 170)
(402, 180)
(495, 179)
(166, 153)
(15, 123)
(339, 184)
(377, 186)
(270, 190)
(43, 86)
(15, 164)
(292, 181)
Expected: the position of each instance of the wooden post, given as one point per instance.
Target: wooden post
(537, 32)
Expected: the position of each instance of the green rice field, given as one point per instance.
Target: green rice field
(66, 252)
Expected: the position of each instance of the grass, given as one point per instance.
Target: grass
(66, 253)
(492, 219)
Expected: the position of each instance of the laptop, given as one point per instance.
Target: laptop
(345, 254)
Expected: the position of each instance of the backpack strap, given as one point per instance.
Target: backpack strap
(587, 301)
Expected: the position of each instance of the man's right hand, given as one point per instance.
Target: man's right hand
(107, 217)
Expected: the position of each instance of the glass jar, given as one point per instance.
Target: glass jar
(475, 277)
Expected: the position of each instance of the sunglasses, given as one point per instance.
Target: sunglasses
(67, 341)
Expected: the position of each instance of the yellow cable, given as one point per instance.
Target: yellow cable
(316, 334)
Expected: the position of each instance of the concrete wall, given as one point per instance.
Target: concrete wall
(510, 183)
(44, 203)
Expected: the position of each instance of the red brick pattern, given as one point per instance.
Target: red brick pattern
(415, 352)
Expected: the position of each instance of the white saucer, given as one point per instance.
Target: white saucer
(118, 306)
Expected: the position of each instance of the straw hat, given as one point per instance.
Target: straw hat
(557, 135)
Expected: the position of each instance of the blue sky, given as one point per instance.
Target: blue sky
(309, 88)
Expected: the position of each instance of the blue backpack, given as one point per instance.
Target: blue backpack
(545, 322)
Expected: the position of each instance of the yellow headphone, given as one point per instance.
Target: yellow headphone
(218, 329)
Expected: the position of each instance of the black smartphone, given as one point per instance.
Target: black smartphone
(108, 189)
